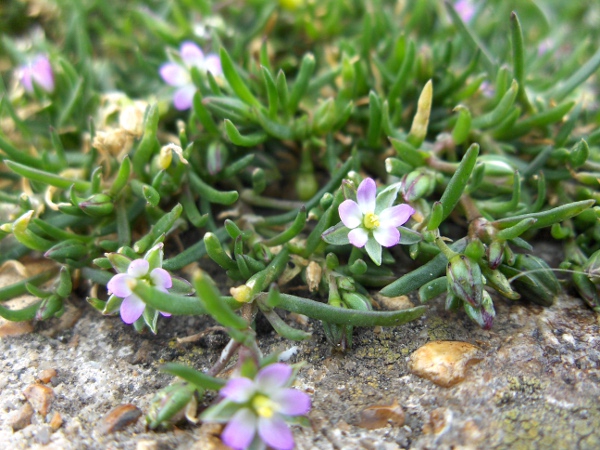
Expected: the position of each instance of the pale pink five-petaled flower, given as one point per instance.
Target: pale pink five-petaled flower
(133, 307)
(178, 75)
(266, 402)
(363, 220)
(465, 9)
(38, 71)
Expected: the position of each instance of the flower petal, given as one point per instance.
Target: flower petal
(132, 308)
(183, 97)
(166, 314)
(350, 213)
(161, 278)
(238, 390)
(396, 215)
(26, 79)
(118, 285)
(174, 75)
(358, 237)
(275, 432)
(365, 195)
(273, 376)
(386, 236)
(292, 402)
(240, 430)
(42, 73)
(212, 64)
(138, 268)
(191, 54)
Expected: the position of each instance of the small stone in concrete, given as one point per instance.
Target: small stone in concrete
(146, 445)
(21, 418)
(444, 362)
(46, 375)
(40, 397)
(118, 418)
(15, 328)
(56, 421)
(379, 416)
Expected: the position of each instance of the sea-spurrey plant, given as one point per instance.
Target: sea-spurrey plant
(302, 160)
(257, 409)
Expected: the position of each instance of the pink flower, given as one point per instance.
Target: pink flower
(133, 307)
(366, 222)
(465, 9)
(265, 404)
(38, 71)
(178, 75)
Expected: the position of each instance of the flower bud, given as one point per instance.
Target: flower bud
(465, 280)
(306, 186)
(50, 307)
(326, 200)
(98, 205)
(332, 261)
(495, 253)
(475, 250)
(484, 314)
(417, 184)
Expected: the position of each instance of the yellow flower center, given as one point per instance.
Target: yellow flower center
(370, 221)
(264, 406)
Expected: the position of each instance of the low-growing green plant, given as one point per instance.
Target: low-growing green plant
(347, 147)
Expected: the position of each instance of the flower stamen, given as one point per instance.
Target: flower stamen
(264, 406)
(371, 221)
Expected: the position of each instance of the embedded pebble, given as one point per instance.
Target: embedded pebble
(56, 421)
(146, 445)
(439, 421)
(21, 418)
(46, 375)
(118, 418)
(379, 416)
(394, 303)
(444, 362)
(40, 397)
(209, 438)
(15, 328)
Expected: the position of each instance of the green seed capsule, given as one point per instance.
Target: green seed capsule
(417, 184)
(465, 279)
(50, 307)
